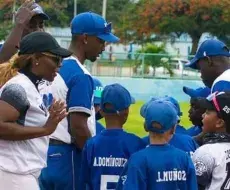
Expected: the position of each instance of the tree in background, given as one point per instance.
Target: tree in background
(152, 58)
(6, 17)
(61, 12)
(193, 17)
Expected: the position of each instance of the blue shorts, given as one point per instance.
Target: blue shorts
(63, 168)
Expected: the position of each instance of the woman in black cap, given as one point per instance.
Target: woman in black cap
(25, 121)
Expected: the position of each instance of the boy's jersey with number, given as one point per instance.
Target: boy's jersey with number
(160, 167)
(104, 157)
(212, 164)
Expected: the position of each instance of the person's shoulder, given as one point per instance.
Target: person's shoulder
(177, 152)
(146, 140)
(184, 137)
(205, 149)
(21, 81)
(130, 137)
(72, 66)
(139, 157)
(222, 82)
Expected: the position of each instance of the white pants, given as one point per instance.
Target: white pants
(10, 181)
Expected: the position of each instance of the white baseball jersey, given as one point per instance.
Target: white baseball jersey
(212, 164)
(27, 156)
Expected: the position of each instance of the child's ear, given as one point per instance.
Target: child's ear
(220, 123)
(173, 130)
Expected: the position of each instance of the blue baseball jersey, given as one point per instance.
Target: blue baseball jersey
(74, 85)
(180, 141)
(160, 167)
(104, 157)
(194, 131)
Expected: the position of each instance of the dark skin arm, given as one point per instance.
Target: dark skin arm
(79, 128)
(22, 18)
(10, 130)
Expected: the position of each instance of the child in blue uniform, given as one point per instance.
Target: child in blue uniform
(98, 88)
(105, 155)
(179, 140)
(160, 165)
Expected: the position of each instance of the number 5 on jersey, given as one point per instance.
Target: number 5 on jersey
(106, 179)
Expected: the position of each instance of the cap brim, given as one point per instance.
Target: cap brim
(189, 91)
(192, 63)
(109, 37)
(62, 52)
(43, 16)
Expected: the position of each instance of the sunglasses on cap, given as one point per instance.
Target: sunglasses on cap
(212, 98)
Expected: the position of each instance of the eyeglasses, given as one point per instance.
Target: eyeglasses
(55, 58)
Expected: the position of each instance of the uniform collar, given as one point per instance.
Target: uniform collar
(34, 78)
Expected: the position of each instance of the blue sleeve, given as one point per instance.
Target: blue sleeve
(135, 177)
(221, 86)
(85, 169)
(191, 179)
(80, 94)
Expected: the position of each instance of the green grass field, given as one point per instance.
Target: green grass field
(135, 121)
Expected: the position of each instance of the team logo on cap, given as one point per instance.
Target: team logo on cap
(226, 109)
(108, 27)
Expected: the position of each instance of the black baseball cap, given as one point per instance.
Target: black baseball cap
(36, 42)
(219, 102)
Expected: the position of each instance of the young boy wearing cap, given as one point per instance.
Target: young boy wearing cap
(196, 110)
(179, 129)
(180, 141)
(212, 160)
(98, 88)
(160, 165)
(105, 155)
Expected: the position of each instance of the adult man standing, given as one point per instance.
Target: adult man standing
(74, 84)
(29, 18)
(212, 59)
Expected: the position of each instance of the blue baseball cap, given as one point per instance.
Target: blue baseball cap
(39, 11)
(94, 25)
(161, 112)
(174, 102)
(202, 92)
(209, 48)
(98, 88)
(145, 105)
(116, 95)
